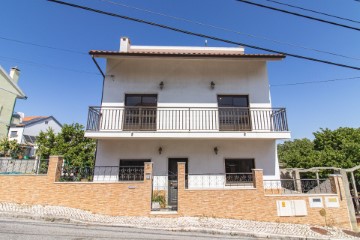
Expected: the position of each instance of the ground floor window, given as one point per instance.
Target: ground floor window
(132, 169)
(239, 170)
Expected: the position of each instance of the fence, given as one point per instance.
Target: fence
(23, 166)
(101, 173)
(214, 181)
(298, 186)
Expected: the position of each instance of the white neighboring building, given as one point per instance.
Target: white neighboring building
(207, 106)
(28, 128)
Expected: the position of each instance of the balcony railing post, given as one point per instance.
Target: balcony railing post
(189, 117)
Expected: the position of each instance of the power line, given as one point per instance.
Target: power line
(43, 46)
(313, 11)
(313, 82)
(228, 30)
(299, 15)
(48, 66)
(201, 35)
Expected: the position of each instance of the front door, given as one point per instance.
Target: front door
(173, 180)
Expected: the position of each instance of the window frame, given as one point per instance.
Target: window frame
(140, 117)
(233, 118)
(239, 178)
(136, 170)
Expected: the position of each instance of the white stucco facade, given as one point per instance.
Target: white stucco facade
(187, 90)
(200, 154)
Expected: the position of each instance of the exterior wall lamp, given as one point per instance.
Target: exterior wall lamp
(212, 85)
(161, 85)
(160, 150)
(216, 150)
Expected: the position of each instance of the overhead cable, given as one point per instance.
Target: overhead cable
(43, 46)
(201, 35)
(228, 30)
(299, 15)
(313, 82)
(313, 11)
(49, 66)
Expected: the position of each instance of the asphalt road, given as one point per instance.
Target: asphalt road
(24, 229)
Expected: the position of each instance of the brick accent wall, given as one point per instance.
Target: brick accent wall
(253, 204)
(134, 198)
(112, 198)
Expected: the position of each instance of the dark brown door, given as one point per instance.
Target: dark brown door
(234, 113)
(173, 180)
(140, 112)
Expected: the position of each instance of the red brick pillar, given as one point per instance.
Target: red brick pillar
(258, 179)
(54, 169)
(181, 184)
(148, 172)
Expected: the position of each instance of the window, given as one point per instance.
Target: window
(132, 169)
(13, 134)
(239, 170)
(234, 114)
(140, 112)
(46, 122)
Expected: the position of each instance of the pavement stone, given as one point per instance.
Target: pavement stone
(270, 230)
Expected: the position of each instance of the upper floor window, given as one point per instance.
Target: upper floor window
(140, 112)
(234, 113)
(46, 122)
(13, 134)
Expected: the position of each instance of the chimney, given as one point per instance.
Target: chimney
(14, 74)
(124, 44)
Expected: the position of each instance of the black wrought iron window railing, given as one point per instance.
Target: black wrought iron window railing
(131, 173)
(186, 119)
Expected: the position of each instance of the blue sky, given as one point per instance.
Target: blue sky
(64, 84)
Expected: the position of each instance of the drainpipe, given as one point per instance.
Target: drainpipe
(102, 96)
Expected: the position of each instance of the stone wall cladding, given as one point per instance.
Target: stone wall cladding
(134, 198)
(253, 204)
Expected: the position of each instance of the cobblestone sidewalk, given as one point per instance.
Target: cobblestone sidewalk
(202, 224)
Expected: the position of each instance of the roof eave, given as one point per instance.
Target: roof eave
(267, 57)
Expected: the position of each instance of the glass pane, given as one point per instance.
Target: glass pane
(239, 165)
(132, 100)
(225, 101)
(240, 101)
(149, 101)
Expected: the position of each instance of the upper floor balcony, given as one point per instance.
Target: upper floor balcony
(187, 122)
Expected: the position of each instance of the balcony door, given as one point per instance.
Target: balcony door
(140, 112)
(234, 113)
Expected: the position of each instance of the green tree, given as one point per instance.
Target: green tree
(330, 148)
(77, 150)
(10, 148)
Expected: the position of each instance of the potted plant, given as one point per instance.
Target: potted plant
(158, 201)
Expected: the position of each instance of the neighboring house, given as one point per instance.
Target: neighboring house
(25, 129)
(9, 92)
(207, 106)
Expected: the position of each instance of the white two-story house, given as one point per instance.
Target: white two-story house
(209, 107)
